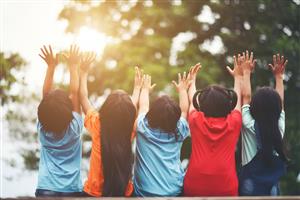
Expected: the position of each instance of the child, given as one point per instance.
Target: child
(59, 127)
(111, 131)
(215, 121)
(160, 134)
(263, 128)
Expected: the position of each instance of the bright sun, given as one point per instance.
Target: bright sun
(91, 40)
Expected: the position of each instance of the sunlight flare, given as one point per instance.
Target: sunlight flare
(90, 39)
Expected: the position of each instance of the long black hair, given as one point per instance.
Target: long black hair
(215, 101)
(117, 116)
(265, 108)
(164, 114)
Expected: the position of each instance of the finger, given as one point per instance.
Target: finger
(42, 57)
(254, 63)
(285, 63)
(44, 54)
(50, 50)
(179, 77)
(243, 57)
(251, 56)
(235, 61)
(278, 58)
(184, 76)
(198, 66)
(71, 48)
(229, 70)
(239, 59)
(175, 84)
(282, 60)
(153, 86)
(247, 55)
(45, 48)
(271, 67)
(274, 59)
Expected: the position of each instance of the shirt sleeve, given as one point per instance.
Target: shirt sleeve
(92, 122)
(281, 123)
(183, 128)
(248, 121)
(76, 123)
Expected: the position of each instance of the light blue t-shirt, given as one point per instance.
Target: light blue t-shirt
(249, 146)
(157, 170)
(59, 167)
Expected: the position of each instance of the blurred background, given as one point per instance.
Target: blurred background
(163, 37)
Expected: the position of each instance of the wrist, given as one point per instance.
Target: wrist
(279, 76)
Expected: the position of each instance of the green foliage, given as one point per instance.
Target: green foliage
(9, 64)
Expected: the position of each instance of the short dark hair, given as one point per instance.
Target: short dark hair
(215, 101)
(55, 112)
(164, 114)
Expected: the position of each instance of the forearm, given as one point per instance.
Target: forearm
(74, 81)
(184, 103)
(237, 89)
(191, 92)
(83, 93)
(74, 89)
(144, 101)
(135, 96)
(246, 88)
(280, 87)
(48, 82)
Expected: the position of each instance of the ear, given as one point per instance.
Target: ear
(233, 98)
(196, 98)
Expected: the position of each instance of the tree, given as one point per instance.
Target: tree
(10, 64)
(146, 30)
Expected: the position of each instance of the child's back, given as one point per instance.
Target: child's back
(160, 134)
(60, 157)
(59, 127)
(158, 170)
(211, 170)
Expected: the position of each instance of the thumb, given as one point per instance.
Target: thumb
(229, 70)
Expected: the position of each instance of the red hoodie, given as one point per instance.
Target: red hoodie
(211, 170)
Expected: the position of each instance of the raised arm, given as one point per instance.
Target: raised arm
(192, 89)
(182, 87)
(278, 69)
(138, 83)
(237, 74)
(83, 91)
(144, 96)
(73, 59)
(248, 66)
(52, 62)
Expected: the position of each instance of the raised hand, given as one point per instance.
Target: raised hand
(138, 78)
(49, 57)
(278, 66)
(86, 60)
(147, 83)
(237, 68)
(183, 82)
(193, 72)
(182, 86)
(248, 63)
(73, 56)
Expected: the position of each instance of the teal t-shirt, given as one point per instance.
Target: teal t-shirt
(157, 169)
(249, 147)
(59, 167)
